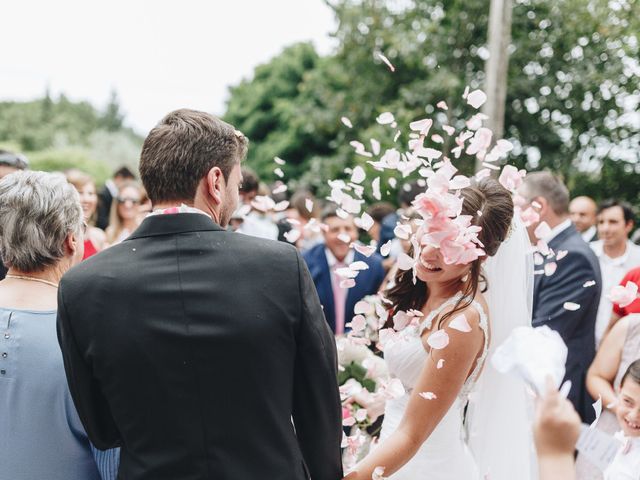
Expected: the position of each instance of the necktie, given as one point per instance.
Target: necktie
(339, 299)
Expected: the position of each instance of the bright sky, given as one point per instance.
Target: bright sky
(159, 55)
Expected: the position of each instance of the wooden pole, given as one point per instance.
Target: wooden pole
(499, 37)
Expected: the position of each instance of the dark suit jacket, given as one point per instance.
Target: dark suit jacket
(576, 327)
(104, 208)
(367, 281)
(196, 350)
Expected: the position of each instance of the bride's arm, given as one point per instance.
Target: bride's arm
(422, 416)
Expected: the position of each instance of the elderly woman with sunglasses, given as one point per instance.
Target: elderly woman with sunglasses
(41, 237)
(124, 217)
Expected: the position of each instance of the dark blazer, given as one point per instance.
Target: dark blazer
(197, 350)
(105, 199)
(576, 327)
(367, 281)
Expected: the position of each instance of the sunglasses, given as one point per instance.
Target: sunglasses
(14, 160)
(135, 201)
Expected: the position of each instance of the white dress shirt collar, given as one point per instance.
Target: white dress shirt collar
(332, 260)
(589, 233)
(558, 229)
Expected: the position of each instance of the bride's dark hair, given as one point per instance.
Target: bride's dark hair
(491, 206)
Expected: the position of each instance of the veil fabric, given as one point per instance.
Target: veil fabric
(500, 412)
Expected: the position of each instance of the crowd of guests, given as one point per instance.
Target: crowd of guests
(593, 247)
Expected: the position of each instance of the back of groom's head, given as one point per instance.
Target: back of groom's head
(180, 151)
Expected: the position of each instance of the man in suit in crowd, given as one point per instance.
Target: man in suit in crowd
(201, 352)
(109, 192)
(583, 212)
(549, 196)
(336, 252)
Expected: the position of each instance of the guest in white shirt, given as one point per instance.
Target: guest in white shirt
(616, 254)
(583, 215)
(248, 220)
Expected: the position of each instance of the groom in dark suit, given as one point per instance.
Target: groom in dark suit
(201, 353)
(336, 252)
(570, 283)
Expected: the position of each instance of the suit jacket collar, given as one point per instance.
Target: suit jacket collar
(563, 236)
(172, 224)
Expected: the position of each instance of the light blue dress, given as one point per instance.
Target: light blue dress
(41, 436)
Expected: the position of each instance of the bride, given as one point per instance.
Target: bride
(458, 420)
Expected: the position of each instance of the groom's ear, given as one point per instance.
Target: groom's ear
(215, 184)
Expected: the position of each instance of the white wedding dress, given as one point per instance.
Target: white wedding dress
(445, 455)
(494, 440)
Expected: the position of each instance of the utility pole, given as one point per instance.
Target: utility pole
(496, 67)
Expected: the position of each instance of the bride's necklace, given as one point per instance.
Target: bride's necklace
(32, 279)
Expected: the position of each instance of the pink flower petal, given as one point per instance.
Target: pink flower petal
(460, 323)
(442, 105)
(386, 61)
(279, 161)
(347, 283)
(624, 296)
(365, 222)
(550, 268)
(358, 266)
(597, 406)
(561, 254)
(476, 98)
(347, 123)
(405, 262)
(589, 283)
(438, 340)
(278, 171)
(358, 175)
(358, 323)
(343, 237)
(449, 129)
(428, 395)
(543, 230)
(366, 250)
(385, 249)
(361, 307)
(308, 203)
(440, 364)
(572, 307)
(292, 235)
(385, 118)
(401, 320)
(421, 126)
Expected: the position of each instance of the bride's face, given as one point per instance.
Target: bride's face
(432, 268)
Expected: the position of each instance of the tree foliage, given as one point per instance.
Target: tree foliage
(60, 134)
(572, 100)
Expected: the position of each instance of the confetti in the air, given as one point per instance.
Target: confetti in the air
(346, 122)
(386, 61)
(385, 118)
(572, 307)
(278, 171)
(476, 98)
(279, 161)
(428, 395)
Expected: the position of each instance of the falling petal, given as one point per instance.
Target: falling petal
(386, 61)
(378, 472)
(347, 283)
(561, 254)
(344, 237)
(392, 182)
(550, 268)
(281, 206)
(437, 138)
(279, 189)
(460, 323)
(385, 249)
(308, 203)
(465, 94)
(358, 266)
(396, 136)
(543, 230)
(365, 250)
(361, 307)
(428, 395)
(347, 123)
(278, 171)
(385, 118)
(375, 187)
(484, 173)
(597, 406)
(442, 105)
(624, 295)
(572, 307)
(358, 323)
(405, 262)
(375, 146)
(279, 161)
(365, 222)
(588, 284)
(292, 235)
(438, 340)
(449, 129)
(440, 364)
(358, 175)
(421, 126)
(476, 98)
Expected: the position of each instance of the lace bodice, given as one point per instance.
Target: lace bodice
(406, 355)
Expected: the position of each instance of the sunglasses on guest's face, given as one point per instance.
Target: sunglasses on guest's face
(135, 201)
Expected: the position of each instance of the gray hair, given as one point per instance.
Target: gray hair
(38, 211)
(549, 187)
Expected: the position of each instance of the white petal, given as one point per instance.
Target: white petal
(476, 98)
(572, 307)
(385, 118)
(347, 123)
(460, 323)
(358, 175)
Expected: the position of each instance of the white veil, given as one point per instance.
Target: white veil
(500, 410)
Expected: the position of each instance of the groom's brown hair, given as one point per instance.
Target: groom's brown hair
(182, 148)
